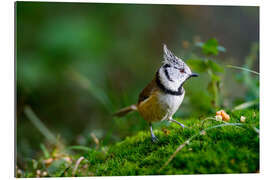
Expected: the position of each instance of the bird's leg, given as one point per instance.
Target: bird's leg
(172, 120)
(154, 138)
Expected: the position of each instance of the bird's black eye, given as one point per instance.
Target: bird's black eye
(182, 70)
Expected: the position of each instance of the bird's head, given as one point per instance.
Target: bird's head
(174, 72)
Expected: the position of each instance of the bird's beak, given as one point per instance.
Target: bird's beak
(194, 75)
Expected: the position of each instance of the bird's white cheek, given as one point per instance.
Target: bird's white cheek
(181, 79)
(171, 85)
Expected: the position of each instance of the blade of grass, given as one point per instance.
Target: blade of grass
(45, 151)
(242, 68)
(245, 105)
(40, 125)
(83, 148)
(256, 130)
(94, 90)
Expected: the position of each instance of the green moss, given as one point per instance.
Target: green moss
(223, 150)
(227, 149)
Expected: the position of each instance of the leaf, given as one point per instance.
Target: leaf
(221, 49)
(215, 78)
(197, 65)
(200, 65)
(57, 168)
(214, 66)
(210, 47)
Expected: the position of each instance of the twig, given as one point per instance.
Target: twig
(241, 68)
(175, 152)
(77, 165)
(192, 137)
(208, 118)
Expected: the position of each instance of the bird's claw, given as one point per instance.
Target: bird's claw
(183, 126)
(180, 124)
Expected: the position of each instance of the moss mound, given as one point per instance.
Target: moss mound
(227, 149)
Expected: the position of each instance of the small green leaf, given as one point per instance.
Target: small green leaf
(45, 151)
(57, 168)
(221, 48)
(214, 66)
(210, 47)
(197, 65)
(215, 78)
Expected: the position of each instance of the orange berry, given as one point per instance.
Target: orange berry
(223, 114)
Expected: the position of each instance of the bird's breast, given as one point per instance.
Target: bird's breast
(159, 106)
(170, 102)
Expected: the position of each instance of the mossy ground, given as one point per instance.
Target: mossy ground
(227, 149)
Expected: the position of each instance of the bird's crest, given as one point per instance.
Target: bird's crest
(170, 58)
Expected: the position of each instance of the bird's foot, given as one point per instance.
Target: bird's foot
(182, 125)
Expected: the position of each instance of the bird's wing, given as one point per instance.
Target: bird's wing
(147, 91)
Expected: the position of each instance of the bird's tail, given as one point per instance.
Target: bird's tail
(124, 111)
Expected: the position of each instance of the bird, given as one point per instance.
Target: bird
(163, 96)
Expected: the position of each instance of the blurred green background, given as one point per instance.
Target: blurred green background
(77, 63)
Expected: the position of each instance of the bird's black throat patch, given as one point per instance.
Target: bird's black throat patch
(179, 92)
